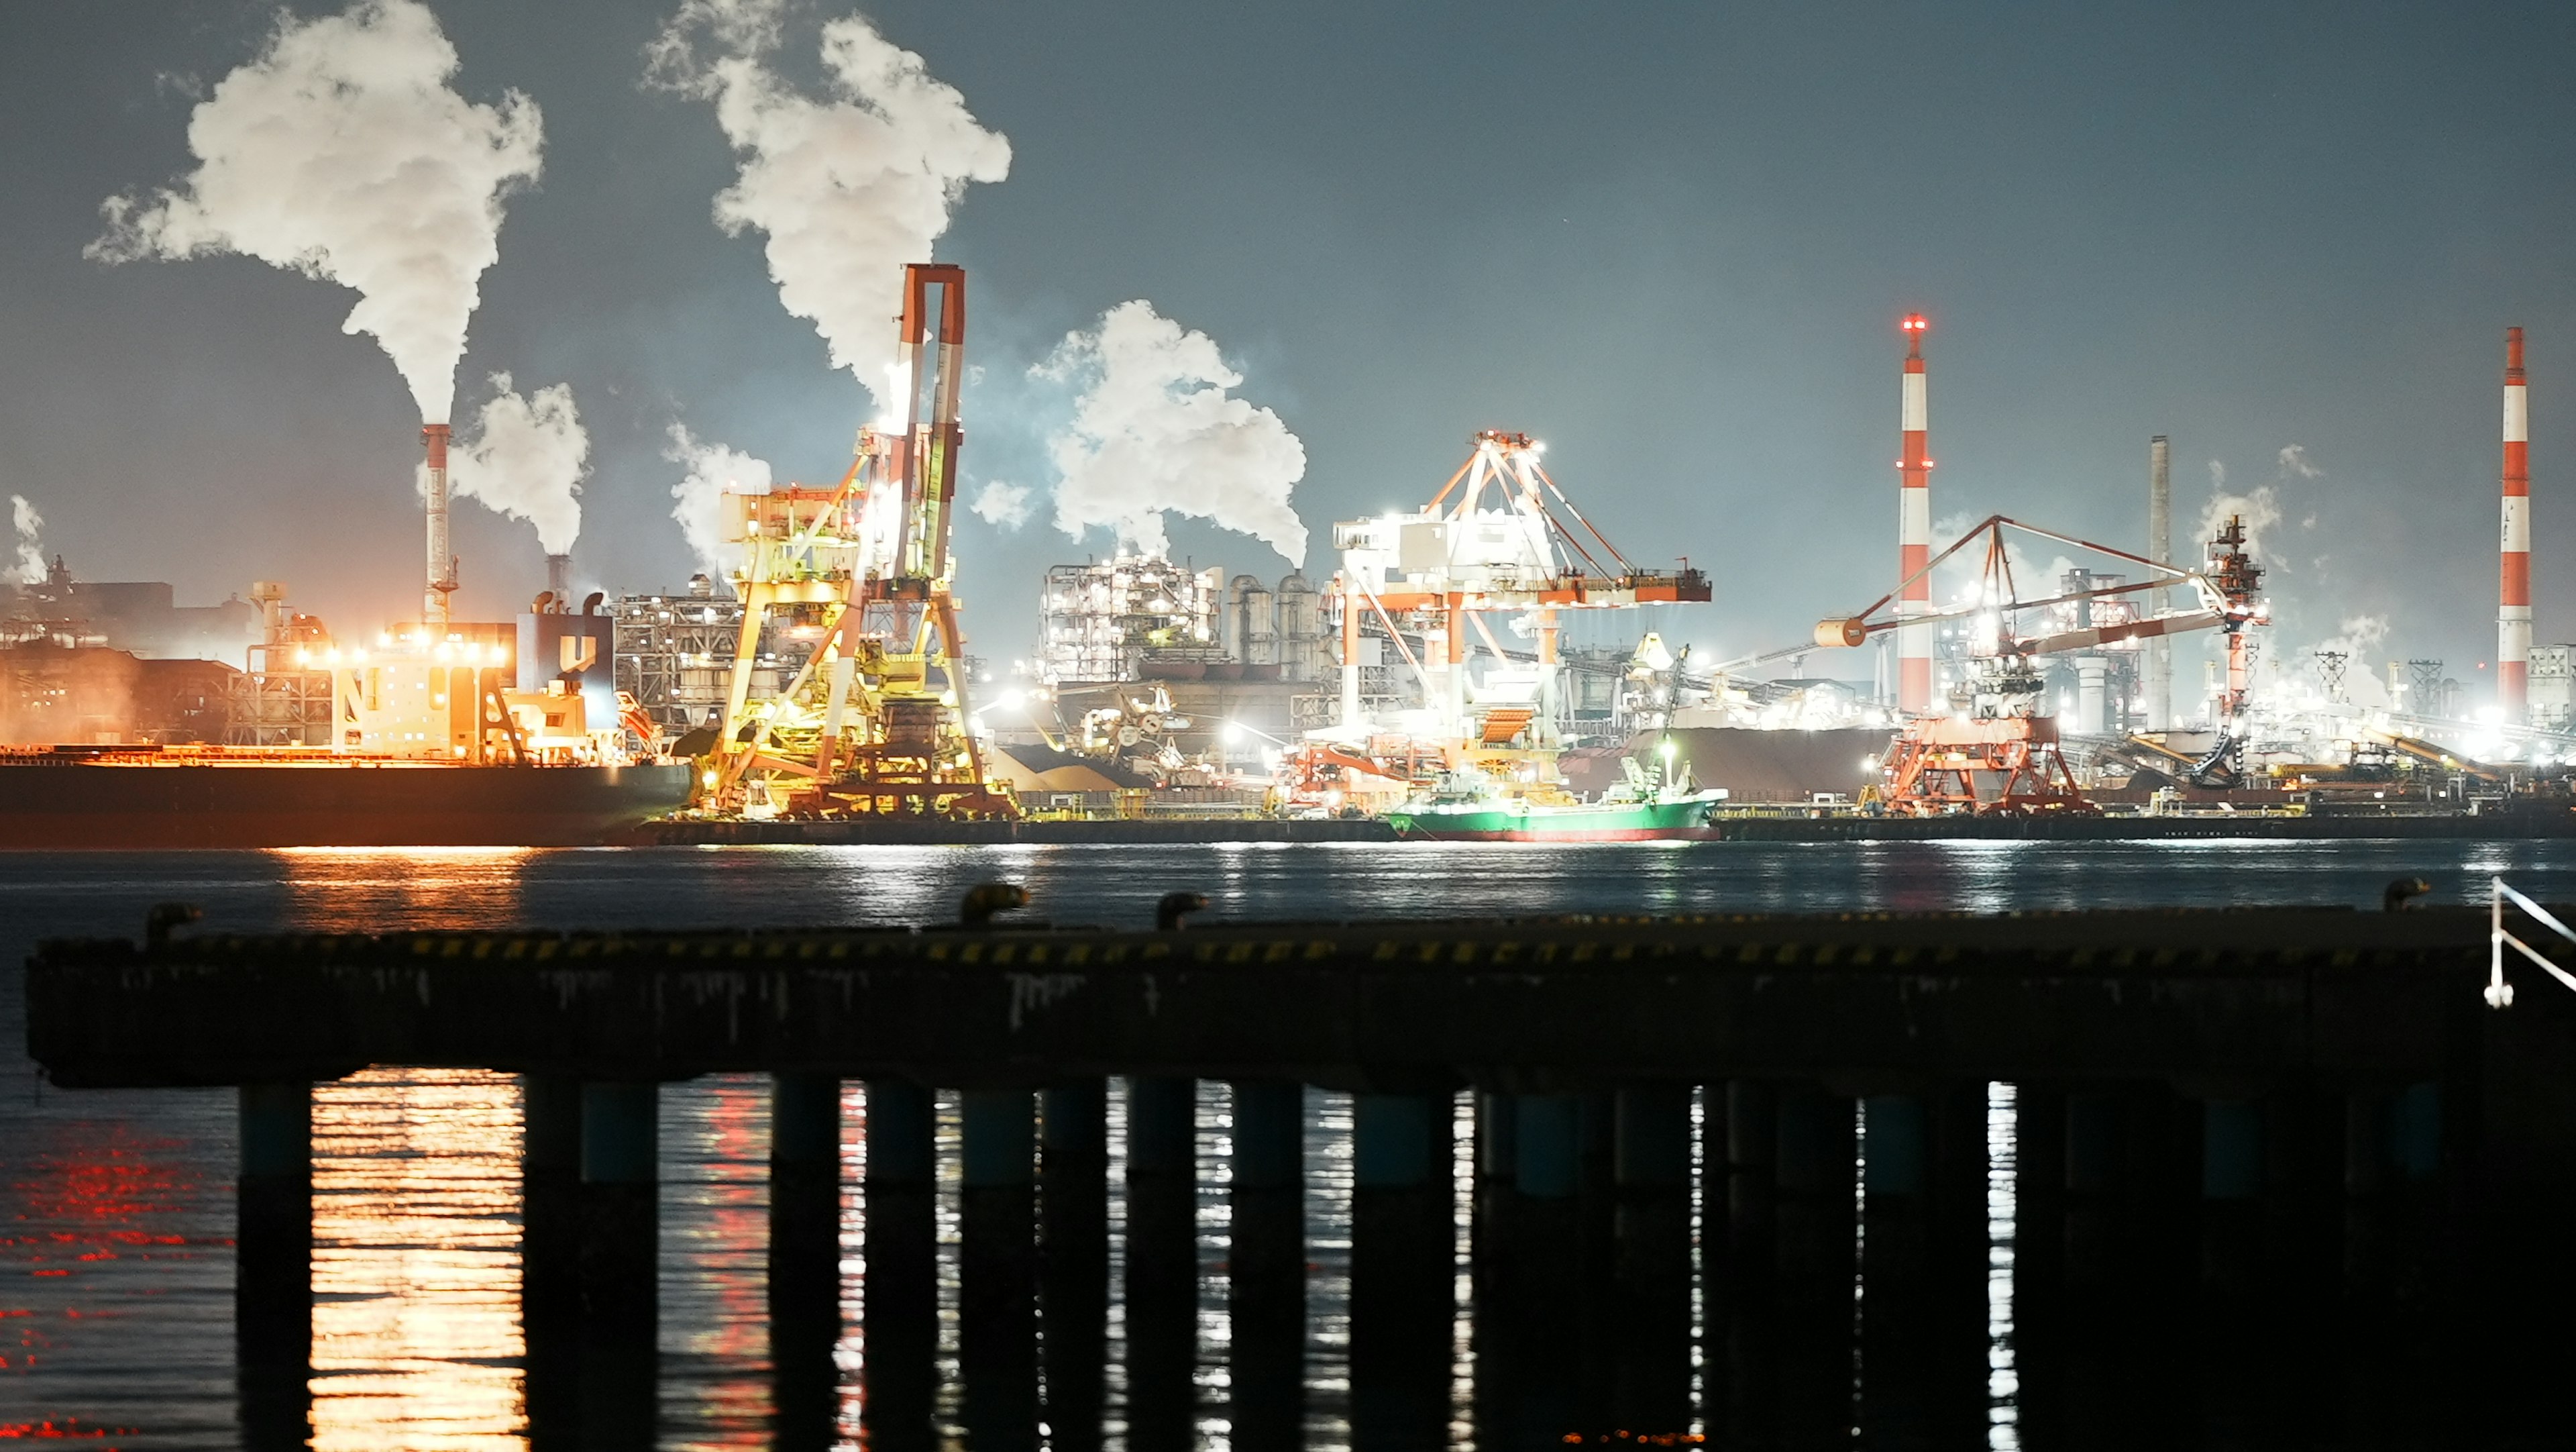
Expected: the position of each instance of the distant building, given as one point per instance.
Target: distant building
(90, 695)
(2552, 696)
(675, 653)
(139, 616)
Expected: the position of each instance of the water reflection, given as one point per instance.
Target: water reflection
(714, 1254)
(120, 1310)
(339, 889)
(416, 1335)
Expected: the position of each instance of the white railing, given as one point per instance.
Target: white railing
(2500, 993)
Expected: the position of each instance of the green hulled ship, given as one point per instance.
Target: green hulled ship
(1671, 818)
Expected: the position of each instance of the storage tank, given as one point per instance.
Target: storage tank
(1253, 621)
(1301, 629)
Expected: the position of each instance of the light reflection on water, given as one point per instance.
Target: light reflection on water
(714, 1333)
(416, 1334)
(118, 1203)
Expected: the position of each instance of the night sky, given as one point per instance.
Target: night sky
(1671, 240)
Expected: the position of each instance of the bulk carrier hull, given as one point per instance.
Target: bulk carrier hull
(66, 800)
(1663, 821)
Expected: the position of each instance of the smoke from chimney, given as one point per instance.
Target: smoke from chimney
(713, 471)
(847, 188)
(342, 152)
(1154, 431)
(23, 518)
(526, 459)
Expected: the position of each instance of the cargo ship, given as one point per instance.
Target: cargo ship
(1519, 819)
(61, 798)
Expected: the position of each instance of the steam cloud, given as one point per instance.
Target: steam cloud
(1003, 504)
(1155, 431)
(30, 568)
(341, 152)
(527, 459)
(2261, 507)
(2358, 638)
(1959, 579)
(714, 470)
(847, 188)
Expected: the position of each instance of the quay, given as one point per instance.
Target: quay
(1776, 825)
(2281, 1175)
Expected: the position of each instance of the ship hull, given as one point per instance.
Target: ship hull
(56, 806)
(1623, 822)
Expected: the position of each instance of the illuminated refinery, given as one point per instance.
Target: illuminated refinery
(1424, 685)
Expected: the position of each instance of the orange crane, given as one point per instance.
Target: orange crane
(1996, 752)
(875, 721)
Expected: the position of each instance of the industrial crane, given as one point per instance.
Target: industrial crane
(874, 721)
(1996, 752)
(1490, 540)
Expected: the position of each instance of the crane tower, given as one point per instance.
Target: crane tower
(874, 720)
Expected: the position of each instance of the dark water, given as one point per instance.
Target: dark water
(116, 1273)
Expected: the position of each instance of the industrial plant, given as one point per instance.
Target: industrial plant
(1423, 684)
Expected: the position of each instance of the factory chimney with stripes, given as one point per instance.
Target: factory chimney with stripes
(2513, 608)
(442, 562)
(1914, 531)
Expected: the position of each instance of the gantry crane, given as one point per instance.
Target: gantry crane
(874, 722)
(1995, 751)
(1490, 540)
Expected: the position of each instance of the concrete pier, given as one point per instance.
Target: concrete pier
(997, 1277)
(1810, 1312)
(1539, 1360)
(550, 1296)
(1268, 1266)
(1162, 1264)
(1650, 1324)
(2281, 1173)
(1073, 1255)
(804, 1257)
(1403, 1270)
(273, 1285)
(901, 1305)
(620, 1217)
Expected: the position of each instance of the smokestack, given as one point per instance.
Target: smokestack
(2160, 550)
(559, 577)
(1914, 530)
(442, 563)
(2513, 596)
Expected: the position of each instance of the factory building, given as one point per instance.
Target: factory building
(1240, 653)
(138, 616)
(1112, 620)
(2552, 700)
(674, 654)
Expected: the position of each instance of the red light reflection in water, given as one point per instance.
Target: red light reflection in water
(715, 1261)
(90, 1202)
(416, 1331)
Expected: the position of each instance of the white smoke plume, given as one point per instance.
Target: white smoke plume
(343, 153)
(1154, 431)
(1960, 577)
(526, 459)
(30, 566)
(1007, 505)
(2358, 639)
(2261, 510)
(2295, 465)
(713, 471)
(847, 187)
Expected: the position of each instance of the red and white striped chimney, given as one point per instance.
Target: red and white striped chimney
(442, 563)
(1914, 530)
(2513, 609)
